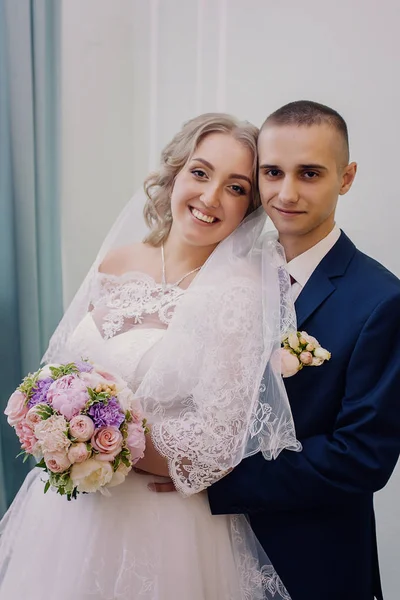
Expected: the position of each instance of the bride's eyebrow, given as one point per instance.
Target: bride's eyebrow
(205, 162)
(231, 176)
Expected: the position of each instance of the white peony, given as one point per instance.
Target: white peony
(119, 475)
(91, 475)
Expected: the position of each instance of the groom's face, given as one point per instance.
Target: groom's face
(301, 174)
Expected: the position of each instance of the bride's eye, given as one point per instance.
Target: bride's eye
(199, 173)
(238, 189)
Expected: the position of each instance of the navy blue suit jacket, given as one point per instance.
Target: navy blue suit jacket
(313, 511)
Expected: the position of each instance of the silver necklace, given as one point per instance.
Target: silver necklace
(163, 275)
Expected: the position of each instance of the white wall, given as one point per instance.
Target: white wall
(132, 71)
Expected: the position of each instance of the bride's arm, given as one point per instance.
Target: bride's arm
(153, 462)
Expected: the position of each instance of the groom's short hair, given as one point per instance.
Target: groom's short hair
(307, 113)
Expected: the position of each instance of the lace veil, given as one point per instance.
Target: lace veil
(212, 393)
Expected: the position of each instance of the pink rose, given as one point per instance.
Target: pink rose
(107, 440)
(290, 364)
(68, 395)
(306, 358)
(32, 417)
(137, 417)
(136, 441)
(57, 462)
(78, 453)
(81, 428)
(16, 408)
(27, 438)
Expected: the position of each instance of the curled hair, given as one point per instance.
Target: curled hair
(158, 186)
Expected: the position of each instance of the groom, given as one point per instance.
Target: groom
(313, 511)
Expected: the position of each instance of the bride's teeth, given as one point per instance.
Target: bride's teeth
(199, 215)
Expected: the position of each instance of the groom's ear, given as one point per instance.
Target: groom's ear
(348, 176)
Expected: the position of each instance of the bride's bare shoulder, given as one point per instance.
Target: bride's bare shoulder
(120, 260)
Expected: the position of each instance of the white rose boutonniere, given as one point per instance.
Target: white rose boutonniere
(301, 350)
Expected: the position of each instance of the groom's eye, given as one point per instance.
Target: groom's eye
(310, 174)
(273, 173)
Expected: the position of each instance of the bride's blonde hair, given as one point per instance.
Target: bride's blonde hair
(158, 186)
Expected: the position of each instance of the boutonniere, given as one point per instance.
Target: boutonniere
(301, 350)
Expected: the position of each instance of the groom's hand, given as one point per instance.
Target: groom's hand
(168, 486)
(157, 486)
(160, 488)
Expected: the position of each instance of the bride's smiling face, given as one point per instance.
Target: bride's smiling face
(212, 192)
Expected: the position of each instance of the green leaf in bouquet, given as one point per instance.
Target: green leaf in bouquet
(117, 462)
(47, 487)
(92, 394)
(128, 416)
(28, 383)
(44, 411)
(126, 457)
(26, 457)
(95, 397)
(62, 370)
(124, 430)
(41, 464)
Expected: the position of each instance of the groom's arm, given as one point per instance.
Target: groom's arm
(358, 457)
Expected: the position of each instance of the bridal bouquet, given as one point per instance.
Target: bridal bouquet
(81, 423)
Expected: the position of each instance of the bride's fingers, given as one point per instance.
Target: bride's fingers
(165, 486)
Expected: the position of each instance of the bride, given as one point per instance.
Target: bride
(190, 318)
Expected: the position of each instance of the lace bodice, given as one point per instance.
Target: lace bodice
(128, 317)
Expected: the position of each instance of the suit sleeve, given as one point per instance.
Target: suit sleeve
(360, 454)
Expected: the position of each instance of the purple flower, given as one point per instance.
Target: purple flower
(40, 390)
(83, 366)
(107, 415)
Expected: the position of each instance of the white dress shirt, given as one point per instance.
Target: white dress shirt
(303, 266)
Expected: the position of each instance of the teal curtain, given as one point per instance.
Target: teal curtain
(30, 249)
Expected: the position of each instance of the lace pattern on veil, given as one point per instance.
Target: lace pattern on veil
(132, 299)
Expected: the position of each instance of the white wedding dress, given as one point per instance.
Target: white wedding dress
(135, 544)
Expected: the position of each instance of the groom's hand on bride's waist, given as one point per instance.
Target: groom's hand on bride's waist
(157, 486)
(161, 487)
(168, 485)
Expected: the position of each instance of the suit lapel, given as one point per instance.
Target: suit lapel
(321, 283)
(317, 289)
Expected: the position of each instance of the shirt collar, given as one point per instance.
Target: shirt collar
(302, 267)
